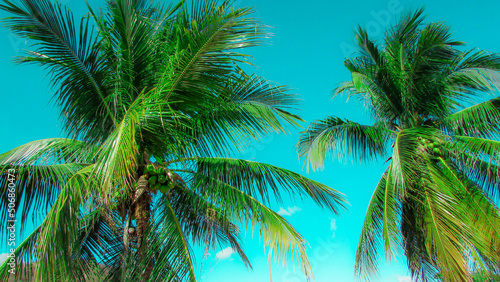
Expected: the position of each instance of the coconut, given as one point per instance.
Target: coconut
(164, 188)
(157, 186)
(153, 171)
(131, 230)
(152, 180)
(162, 179)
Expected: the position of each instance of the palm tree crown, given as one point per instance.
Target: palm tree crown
(437, 200)
(153, 100)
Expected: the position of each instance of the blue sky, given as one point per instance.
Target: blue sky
(309, 43)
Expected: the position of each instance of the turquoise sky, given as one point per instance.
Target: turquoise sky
(306, 51)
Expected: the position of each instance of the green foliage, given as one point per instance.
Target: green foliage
(152, 180)
(162, 179)
(437, 201)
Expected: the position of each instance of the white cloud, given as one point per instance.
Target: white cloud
(3, 257)
(224, 254)
(403, 278)
(333, 226)
(282, 211)
(289, 211)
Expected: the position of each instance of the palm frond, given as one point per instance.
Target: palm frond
(170, 246)
(368, 47)
(209, 36)
(481, 156)
(473, 74)
(117, 158)
(479, 120)
(344, 138)
(50, 151)
(380, 227)
(204, 223)
(260, 180)
(55, 247)
(444, 225)
(247, 109)
(72, 57)
(36, 189)
(484, 218)
(283, 241)
(484, 173)
(24, 258)
(38, 170)
(49, 252)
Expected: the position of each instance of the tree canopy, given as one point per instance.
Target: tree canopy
(437, 201)
(153, 100)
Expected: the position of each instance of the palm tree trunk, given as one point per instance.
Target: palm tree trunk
(126, 240)
(143, 216)
(141, 209)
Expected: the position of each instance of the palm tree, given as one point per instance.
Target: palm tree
(153, 101)
(437, 199)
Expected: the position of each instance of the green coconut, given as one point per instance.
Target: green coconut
(437, 150)
(152, 180)
(149, 168)
(153, 171)
(164, 188)
(157, 186)
(162, 179)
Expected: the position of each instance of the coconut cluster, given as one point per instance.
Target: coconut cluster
(430, 146)
(159, 178)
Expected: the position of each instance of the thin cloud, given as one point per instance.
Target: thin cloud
(289, 211)
(3, 257)
(333, 226)
(224, 254)
(404, 278)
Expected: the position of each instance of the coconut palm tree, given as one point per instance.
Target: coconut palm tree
(153, 101)
(437, 199)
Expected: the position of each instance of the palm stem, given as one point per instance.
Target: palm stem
(125, 247)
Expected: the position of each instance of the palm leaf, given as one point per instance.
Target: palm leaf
(36, 188)
(344, 137)
(278, 235)
(176, 248)
(50, 151)
(260, 180)
(72, 57)
(205, 224)
(479, 120)
(479, 155)
(380, 226)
